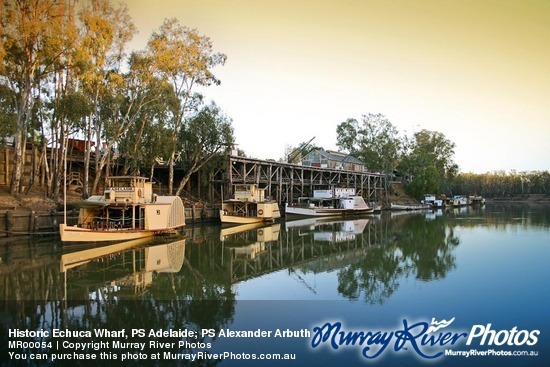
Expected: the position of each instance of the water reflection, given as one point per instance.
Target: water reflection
(248, 241)
(192, 281)
(126, 267)
(141, 284)
(416, 246)
(370, 255)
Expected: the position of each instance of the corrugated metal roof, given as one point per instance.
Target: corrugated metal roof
(338, 157)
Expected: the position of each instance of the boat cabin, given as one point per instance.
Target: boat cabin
(128, 189)
(249, 193)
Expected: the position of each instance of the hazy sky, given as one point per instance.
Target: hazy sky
(476, 70)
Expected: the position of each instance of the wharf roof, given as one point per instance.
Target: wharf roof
(339, 156)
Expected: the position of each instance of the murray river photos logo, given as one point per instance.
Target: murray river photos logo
(427, 340)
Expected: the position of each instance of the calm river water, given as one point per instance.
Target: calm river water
(463, 287)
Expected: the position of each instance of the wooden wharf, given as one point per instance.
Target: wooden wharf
(285, 182)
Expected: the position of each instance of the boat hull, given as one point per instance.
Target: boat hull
(234, 219)
(308, 212)
(409, 206)
(316, 207)
(77, 234)
(245, 212)
(312, 212)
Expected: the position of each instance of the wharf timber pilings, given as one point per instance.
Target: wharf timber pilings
(287, 182)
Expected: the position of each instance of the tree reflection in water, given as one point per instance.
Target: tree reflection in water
(414, 247)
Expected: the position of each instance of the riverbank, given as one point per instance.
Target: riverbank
(34, 200)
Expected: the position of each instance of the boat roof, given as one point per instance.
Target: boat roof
(311, 198)
(88, 204)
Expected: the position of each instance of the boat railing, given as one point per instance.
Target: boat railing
(239, 213)
(102, 223)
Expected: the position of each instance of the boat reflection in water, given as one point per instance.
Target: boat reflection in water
(299, 247)
(341, 231)
(212, 261)
(250, 240)
(329, 229)
(130, 265)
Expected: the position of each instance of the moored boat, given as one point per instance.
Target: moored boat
(394, 206)
(476, 200)
(459, 200)
(433, 201)
(322, 207)
(127, 210)
(249, 205)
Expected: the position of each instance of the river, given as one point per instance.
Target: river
(401, 288)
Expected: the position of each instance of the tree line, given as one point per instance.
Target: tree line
(501, 184)
(425, 161)
(65, 74)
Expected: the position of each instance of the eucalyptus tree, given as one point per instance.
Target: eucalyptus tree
(185, 59)
(8, 113)
(503, 184)
(203, 136)
(347, 136)
(143, 145)
(70, 107)
(374, 140)
(34, 36)
(428, 162)
(105, 32)
(127, 96)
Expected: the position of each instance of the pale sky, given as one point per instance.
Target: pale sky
(477, 71)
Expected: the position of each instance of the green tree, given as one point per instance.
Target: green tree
(203, 136)
(428, 162)
(502, 184)
(129, 94)
(8, 114)
(374, 140)
(143, 144)
(347, 135)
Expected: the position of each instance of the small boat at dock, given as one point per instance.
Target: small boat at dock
(394, 206)
(459, 200)
(328, 205)
(433, 201)
(249, 205)
(476, 200)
